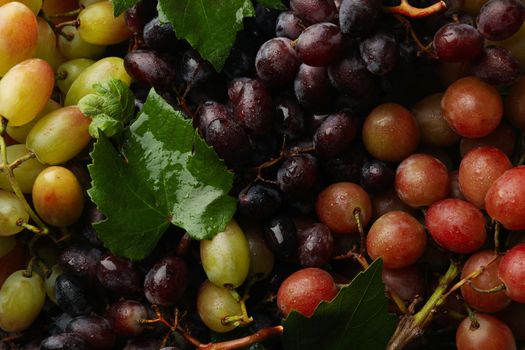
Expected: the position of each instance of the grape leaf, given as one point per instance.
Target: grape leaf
(210, 26)
(120, 6)
(356, 319)
(164, 173)
(272, 4)
(110, 108)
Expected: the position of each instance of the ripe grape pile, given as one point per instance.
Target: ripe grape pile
(356, 130)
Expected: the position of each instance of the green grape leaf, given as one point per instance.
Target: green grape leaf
(272, 4)
(163, 174)
(120, 6)
(110, 108)
(210, 26)
(356, 319)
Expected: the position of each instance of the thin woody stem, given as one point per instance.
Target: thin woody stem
(405, 9)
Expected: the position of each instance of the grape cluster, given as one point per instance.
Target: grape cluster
(354, 131)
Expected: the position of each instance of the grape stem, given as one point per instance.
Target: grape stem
(57, 31)
(422, 47)
(66, 14)
(405, 9)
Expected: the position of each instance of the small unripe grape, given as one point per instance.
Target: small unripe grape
(58, 197)
(69, 71)
(50, 283)
(11, 210)
(99, 26)
(46, 46)
(25, 173)
(214, 304)
(77, 47)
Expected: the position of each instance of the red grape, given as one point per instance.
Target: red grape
(512, 273)
(492, 334)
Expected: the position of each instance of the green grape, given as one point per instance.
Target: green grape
(46, 46)
(19, 37)
(261, 258)
(34, 5)
(58, 197)
(214, 304)
(11, 210)
(50, 283)
(86, 3)
(102, 70)
(226, 258)
(69, 71)
(76, 47)
(7, 244)
(25, 90)
(25, 173)
(21, 300)
(59, 136)
(19, 133)
(99, 26)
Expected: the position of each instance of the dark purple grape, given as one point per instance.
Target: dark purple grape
(71, 295)
(252, 105)
(320, 44)
(380, 53)
(289, 118)
(229, 140)
(64, 341)
(119, 275)
(90, 216)
(288, 25)
(159, 36)
(342, 169)
(143, 344)
(80, 261)
(351, 77)
(140, 14)
(357, 18)
(276, 61)
(60, 323)
(149, 68)
(499, 19)
(280, 235)
(240, 62)
(210, 111)
(95, 330)
(297, 173)
(125, 316)
(315, 245)
(335, 134)
(314, 11)
(376, 176)
(194, 70)
(166, 282)
(454, 7)
(313, 89)
(458, 42)
(498, 67)
(260, 201)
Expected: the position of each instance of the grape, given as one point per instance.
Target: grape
(513, 317)
(137, 16)
(515, 104)
(342, 169)
(71, 296)
(511, 272)
(288, 25)
(149, 68)
(289, 118)
(276, 61)
(312, 88)
(320, 44)
(505, 199)
(492, 334)
(280, 235)
(498, 67)
(95, 330)
(488, 279)
(314, 10)
(19, 39)
(80, 261)
(125, 317)
(398, 238)
(335, 134)
(11, 211)
(59, 136)
(13, 257)
(471, 107)
(503, 138)
(166, 282)
(119, 275)
(210, 111)
(34, 5)
(19, 133)
(456, 225)
(143, 344)
(351, 77)
(21, 300)
(64, 341)
(194, 70)
(46, 44)
(259, 201)
(214, 304)
(390, 132)
(261, 258)
(316, 245)
(383, 203)
(226, 258)
(74, 46)
(25, 173)
(358, 18)
(228, 139)
(158, 35)
(380, 53)
(458, 42)
(335, 207)
(408, 282)
(303, 290)
(20, 101)
(69, 71)
(99, 26)
(499, 19)
(51, 283)
(376, 176)
(297, 173)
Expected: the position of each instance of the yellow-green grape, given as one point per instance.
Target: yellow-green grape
(77, 47)
(86, 3)
(19, 133)
(11, 211)
(102, 70)
(214, 304)
(261, 258)
(59, 136)
(69, 71)
(21, 300)
(25, 173)
(34, 5)
(25, 90)
(46, 47)
(58, 197)
(226, 257)
(19, 37)
(7, 244)
(99, 26)
(50, 283)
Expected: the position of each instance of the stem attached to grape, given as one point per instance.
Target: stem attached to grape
(405, 9)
